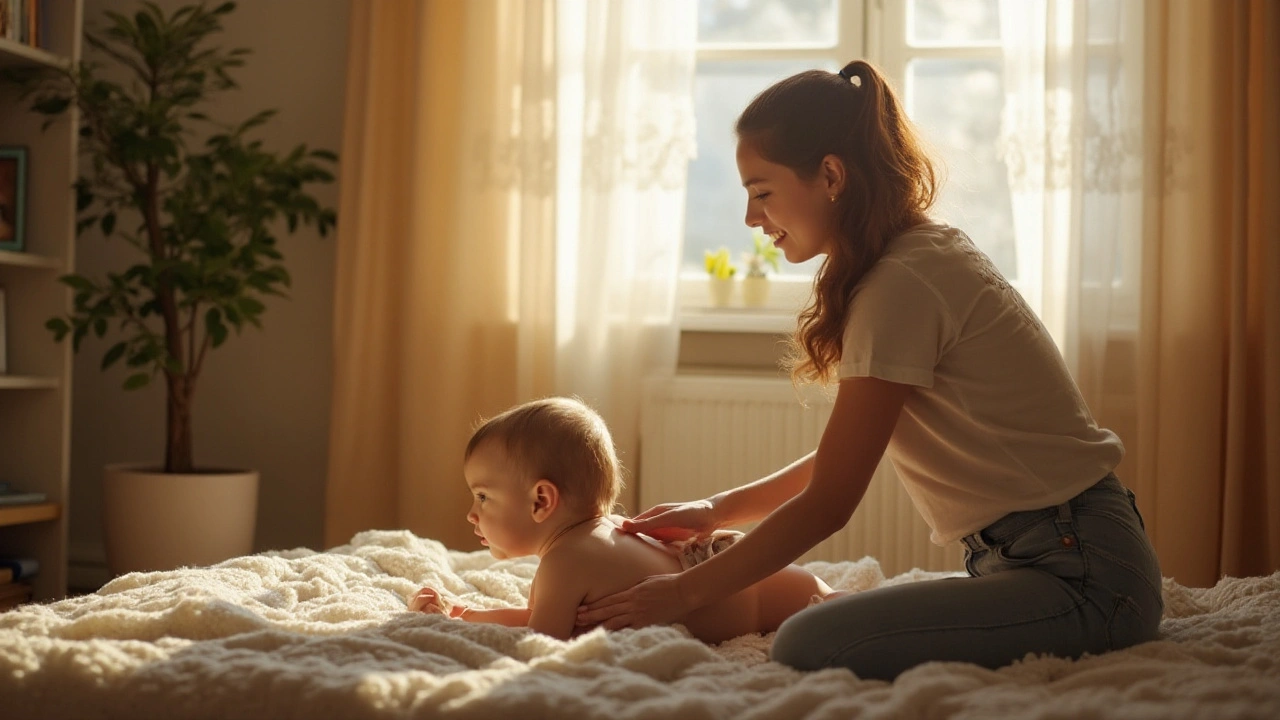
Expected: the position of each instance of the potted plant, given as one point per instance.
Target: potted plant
(202, 202)
(721, 270)
(755, 286)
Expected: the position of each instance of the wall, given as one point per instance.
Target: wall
(263, 400)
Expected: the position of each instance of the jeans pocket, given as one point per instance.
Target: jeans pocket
(1128, 625)
(1133, 503)
(1045, 545)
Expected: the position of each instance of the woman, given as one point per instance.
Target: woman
(941, 364)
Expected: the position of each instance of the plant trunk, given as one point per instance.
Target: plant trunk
(177, 451)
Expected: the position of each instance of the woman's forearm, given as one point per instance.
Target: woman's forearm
(756, 500)
(834, 481)
(787, 533)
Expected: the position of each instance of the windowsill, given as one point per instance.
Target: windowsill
(737, 320)
(777, 314)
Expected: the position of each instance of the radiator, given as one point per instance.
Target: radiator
(700, 434)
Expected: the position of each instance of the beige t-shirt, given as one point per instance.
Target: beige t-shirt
(996, 423)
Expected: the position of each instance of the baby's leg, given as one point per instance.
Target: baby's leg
(786, 593)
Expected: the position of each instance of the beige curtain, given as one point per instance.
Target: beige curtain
(512, 199)
(1209, 352)
(433, 193)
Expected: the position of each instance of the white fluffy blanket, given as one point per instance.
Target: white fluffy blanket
(310, 635)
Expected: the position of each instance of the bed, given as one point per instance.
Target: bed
(304, 634)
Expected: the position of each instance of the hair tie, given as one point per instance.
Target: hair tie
(850, 77)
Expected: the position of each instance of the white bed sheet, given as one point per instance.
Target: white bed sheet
(301, 634)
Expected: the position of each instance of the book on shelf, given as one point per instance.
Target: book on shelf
(23, 21)
(21, 567)
(14, 588)
(4, 363)
(10, 495)
(13, 594)
(30, 498)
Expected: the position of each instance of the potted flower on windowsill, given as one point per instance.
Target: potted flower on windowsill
(755, 286)
(202, 202)
(721, 271)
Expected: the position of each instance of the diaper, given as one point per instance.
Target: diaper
(697, 550)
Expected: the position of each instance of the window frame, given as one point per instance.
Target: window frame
(788, 292)
(889, 46)
(876, 30)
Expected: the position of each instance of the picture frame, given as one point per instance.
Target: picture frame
(4, 349)
(13, 197)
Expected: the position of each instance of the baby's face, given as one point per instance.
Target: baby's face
(501, 503)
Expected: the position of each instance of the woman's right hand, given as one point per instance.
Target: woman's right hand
(670, 522)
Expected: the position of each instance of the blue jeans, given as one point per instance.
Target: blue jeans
(1080, 577)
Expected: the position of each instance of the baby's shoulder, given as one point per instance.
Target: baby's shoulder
(575, 554)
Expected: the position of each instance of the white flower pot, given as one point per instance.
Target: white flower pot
(721, 291)
(160, 521)
(755, 290)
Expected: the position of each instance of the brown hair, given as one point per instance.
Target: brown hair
(890, 185)
(563, 441)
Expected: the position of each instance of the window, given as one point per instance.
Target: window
(943, 57)
(946, 60)
(743, 47)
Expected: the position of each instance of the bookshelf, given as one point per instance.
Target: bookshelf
(35, 392)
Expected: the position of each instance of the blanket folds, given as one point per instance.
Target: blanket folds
(303, 634)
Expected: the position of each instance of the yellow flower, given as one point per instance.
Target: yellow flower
(718, 264)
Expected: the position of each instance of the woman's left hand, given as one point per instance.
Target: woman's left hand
(656, 600)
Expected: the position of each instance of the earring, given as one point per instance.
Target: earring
(833, 198)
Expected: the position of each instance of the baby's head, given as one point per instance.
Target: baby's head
(560, 440)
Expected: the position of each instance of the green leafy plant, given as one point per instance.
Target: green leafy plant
(202, 209)
(718, 264)
(763, 253)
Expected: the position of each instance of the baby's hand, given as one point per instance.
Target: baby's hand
(429, 601)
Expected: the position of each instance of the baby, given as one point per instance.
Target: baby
(543, 478)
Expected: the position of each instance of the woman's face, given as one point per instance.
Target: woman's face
(798, 214)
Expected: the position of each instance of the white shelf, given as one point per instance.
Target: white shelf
(35, 399)
(22, 259)
(15, 54)
(24, 382)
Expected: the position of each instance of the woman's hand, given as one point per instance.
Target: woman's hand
(656, 600)
(670, 522)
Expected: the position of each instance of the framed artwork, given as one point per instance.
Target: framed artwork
(13, 197)
(4, 365)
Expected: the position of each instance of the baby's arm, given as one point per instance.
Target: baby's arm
(556, 593)
(429, 601)
(511, 617)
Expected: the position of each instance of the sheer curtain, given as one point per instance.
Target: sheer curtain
(1141, 146)
(626, 134)
(489, 253)
(1071, 136)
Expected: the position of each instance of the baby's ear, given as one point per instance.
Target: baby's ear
(546, 498)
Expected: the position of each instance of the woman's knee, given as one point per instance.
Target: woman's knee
(800, 642)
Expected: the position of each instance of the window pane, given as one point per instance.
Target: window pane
(717, 202)
(953, 22)
(957, 105)
(767, 22)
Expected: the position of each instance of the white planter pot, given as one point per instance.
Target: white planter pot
(160, 521)
(755, 290)
(721, 291)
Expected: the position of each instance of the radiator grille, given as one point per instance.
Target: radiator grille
(701, 434)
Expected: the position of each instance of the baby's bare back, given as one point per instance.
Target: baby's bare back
(617, 560)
